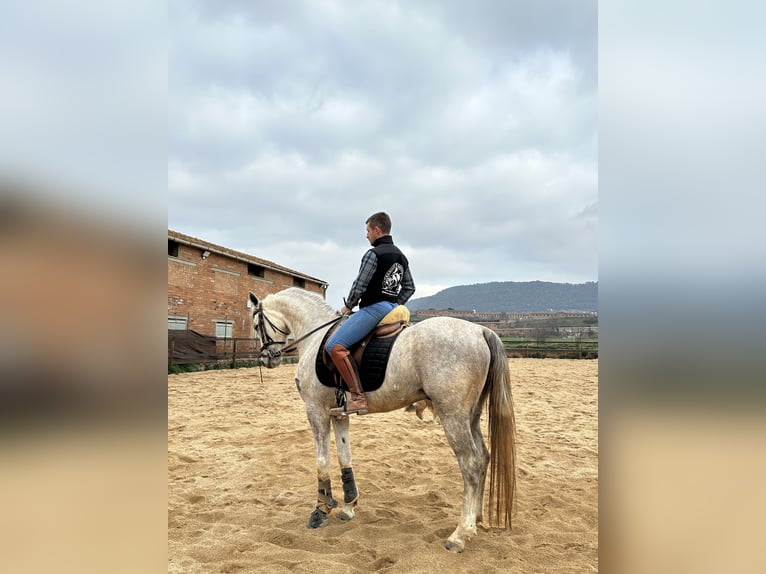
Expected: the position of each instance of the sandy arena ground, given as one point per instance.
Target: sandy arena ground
(242, 481)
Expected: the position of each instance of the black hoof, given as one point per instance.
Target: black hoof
(454, 546)
(317, 519)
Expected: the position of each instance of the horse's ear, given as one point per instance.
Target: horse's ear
(252, 300)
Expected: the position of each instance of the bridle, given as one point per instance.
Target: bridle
(268, 343)
(266, 340)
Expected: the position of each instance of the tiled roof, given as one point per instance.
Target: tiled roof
(196, 242)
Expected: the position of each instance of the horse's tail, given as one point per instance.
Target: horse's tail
(502, 433)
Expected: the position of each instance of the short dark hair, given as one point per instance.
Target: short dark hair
(380, 219)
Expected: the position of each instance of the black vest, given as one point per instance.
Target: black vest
(387, 279)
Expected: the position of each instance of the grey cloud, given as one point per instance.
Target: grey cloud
(474, 126)
(411, 75)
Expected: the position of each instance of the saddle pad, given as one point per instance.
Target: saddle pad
(324, 374)
(374, 360)
(400, 313)
(372, 370)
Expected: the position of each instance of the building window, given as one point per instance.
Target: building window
(298, 282)
(223, 329)
(172, 248)
(255, 270)
(177, 323)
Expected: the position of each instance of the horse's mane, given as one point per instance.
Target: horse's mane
(314, 298)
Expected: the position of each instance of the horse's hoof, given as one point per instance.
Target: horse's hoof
(345, 515)
(453, 546)
(317, 519)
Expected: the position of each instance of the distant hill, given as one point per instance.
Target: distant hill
(514, 297)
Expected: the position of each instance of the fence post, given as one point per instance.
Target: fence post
(172, 349)
(234, 353)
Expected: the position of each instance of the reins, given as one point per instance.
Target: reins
(290, 347)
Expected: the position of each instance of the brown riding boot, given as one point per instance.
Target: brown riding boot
(342, 360)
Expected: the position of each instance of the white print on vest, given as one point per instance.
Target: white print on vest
(393, 279)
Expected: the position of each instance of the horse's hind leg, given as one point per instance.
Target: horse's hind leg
(473, 468)
(350, 492)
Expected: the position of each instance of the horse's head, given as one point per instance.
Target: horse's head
(271, 331)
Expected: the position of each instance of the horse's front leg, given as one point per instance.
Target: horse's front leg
(320, 425)
(350, 493)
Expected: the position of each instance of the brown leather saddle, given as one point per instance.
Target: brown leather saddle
(370, 354)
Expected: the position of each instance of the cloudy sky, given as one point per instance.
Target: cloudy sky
(474, 125)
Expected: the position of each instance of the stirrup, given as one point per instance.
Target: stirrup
(342, 412)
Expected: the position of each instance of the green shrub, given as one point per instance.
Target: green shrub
(187, 368)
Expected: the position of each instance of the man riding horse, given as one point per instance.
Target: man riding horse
(384, 281)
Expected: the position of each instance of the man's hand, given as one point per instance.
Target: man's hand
(345, 310)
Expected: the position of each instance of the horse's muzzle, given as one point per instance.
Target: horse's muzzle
(270, 358)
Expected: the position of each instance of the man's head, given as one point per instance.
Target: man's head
(378, 225)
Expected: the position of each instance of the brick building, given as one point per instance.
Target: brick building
(208, 286)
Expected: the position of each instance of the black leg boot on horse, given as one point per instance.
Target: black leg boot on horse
(342, 360)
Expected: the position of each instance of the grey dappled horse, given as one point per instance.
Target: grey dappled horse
(458, 365)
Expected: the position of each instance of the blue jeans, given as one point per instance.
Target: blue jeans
(359, 325)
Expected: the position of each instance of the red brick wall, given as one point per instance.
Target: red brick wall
(216, 288)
